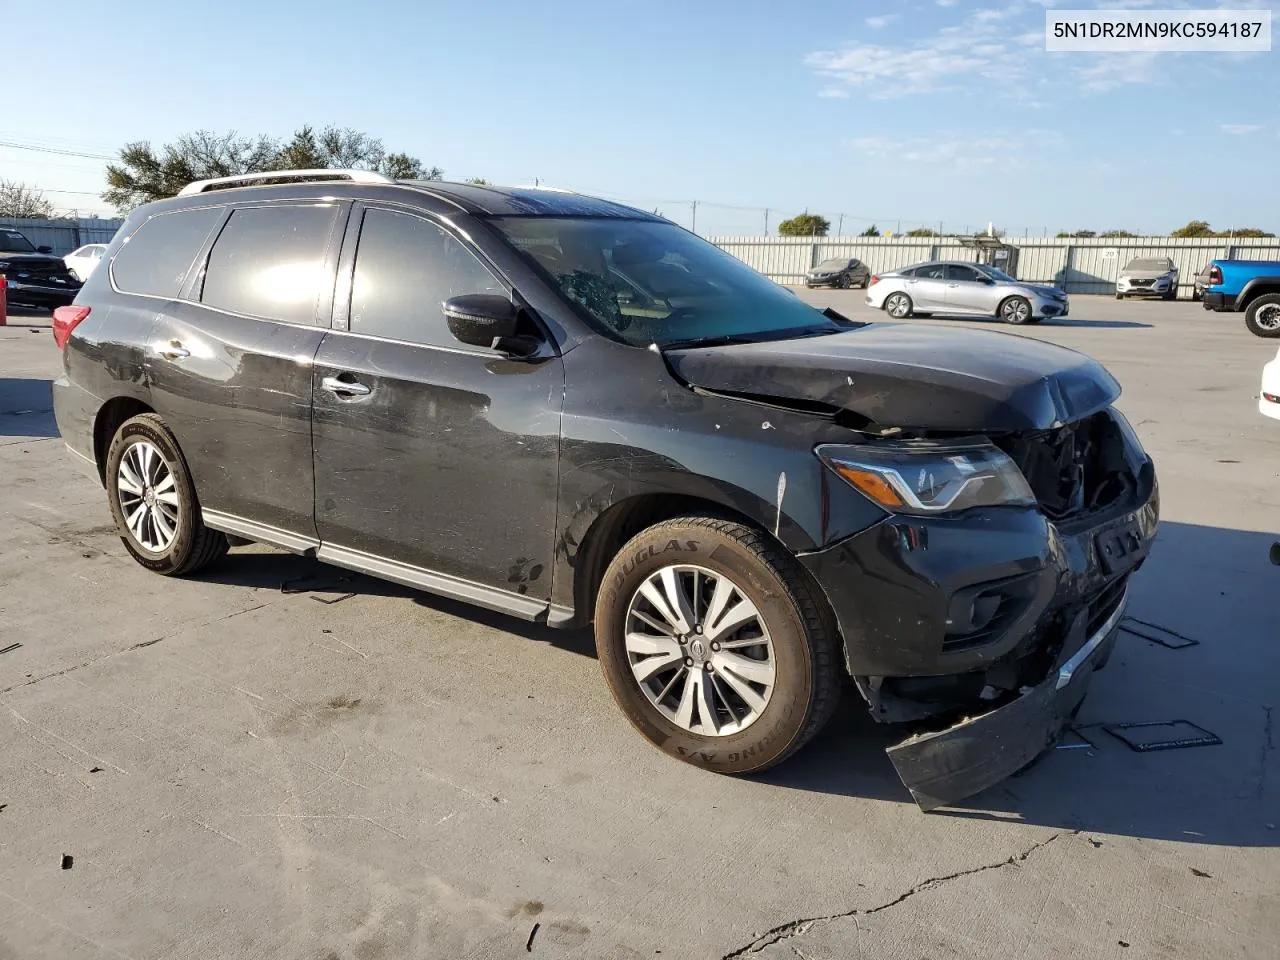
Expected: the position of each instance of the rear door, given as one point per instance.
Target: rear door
(437, 456)
(969, 291)
(927, 289)
(231, 363)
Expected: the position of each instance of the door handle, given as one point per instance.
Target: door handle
(953, 284)
(173, 350)
(344, 389)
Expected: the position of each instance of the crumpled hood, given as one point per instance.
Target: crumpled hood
(913, 377)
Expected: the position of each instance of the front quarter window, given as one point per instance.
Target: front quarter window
(645, 281)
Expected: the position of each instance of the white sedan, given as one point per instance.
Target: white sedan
(963, 289)
(82, 261)
(1269, 398)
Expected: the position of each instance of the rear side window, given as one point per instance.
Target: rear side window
(269, 262)
(155, 260)
(932, 271)
(406, 267)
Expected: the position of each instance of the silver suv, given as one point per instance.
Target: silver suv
(1148, 277)
(966, 289)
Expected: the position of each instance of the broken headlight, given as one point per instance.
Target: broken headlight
(926, 478)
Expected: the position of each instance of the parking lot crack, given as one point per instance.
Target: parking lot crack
(141, 644)
(798, 928)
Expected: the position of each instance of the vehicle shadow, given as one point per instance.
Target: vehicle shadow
(1096, 324)
(26, 408)
(252, 567)
(1225, 794)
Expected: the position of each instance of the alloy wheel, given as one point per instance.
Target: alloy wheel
(898, 305)
(148, 497)
(700, 650)
(1016, 311)
(1268, 316)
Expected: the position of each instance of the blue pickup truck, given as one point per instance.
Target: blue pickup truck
(1249, 285)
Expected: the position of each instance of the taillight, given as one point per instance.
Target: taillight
(873, 281)
(66, 319)
(1215, 275)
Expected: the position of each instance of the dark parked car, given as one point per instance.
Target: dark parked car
(450, 386)
(33, 275)
(842, 272)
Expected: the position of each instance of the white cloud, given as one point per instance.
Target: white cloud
(951, 148)
(833, 93)
(995, 14)
(1111, 70)
(946, 3)
(1240, 129)
(883, 20)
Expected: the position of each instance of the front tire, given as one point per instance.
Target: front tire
(154, 502)
(1016, 310)
(716, 644)
(1262, 316)
(898, 306)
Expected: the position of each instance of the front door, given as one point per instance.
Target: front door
(437, 456)
(970, 291)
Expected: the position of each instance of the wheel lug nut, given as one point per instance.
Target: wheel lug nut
(688, 661)
(707, 666)
(715, 646)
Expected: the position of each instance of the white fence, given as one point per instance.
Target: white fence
(1076, 265)
(63, 236)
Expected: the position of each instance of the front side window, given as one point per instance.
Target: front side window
(956, 272)
(642, 281)
(406, 267)
(11, 241)
(269, 262)
(156, 258)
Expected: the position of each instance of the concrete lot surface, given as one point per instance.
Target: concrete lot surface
(213, 768)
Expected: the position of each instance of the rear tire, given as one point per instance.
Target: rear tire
(1119, 296)
(772, 685)
(154, 501)
(1262, 316)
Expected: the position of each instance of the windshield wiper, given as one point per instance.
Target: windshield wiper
(725, 340)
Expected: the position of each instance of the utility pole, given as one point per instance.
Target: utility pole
(898, 231)
(939, 228)
(693, 228)
(766, 221)
(840, 229)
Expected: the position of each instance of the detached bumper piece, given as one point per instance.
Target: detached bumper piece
(945, 767)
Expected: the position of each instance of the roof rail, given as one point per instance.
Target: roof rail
(355, 176)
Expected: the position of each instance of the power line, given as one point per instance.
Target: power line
(36, 148)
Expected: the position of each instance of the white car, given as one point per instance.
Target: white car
(82, 261)
(1148, 277)
(1269, 398)
(963, 289)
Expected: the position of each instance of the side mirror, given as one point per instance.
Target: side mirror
(44, 249)
(485, 320)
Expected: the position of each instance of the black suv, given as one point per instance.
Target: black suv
(33, 275)
(577, 413)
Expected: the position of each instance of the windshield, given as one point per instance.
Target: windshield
(15, 242)
(836, 264)
(1149, 265)
(644, 282)
(995, 273)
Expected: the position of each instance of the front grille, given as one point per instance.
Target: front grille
(1076, 469)
(1141, 283)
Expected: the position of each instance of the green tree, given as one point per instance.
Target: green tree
(1081, 234)
(871, 231)
(1110, 234)
(804, 225)
(18, 200)
(1244, 232)
(1195, 228)
(478, 181)
(143, 174)
(920, 232)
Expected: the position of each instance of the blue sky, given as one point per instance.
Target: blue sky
(915, 111)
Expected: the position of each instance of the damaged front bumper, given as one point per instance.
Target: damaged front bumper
(945, 767)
